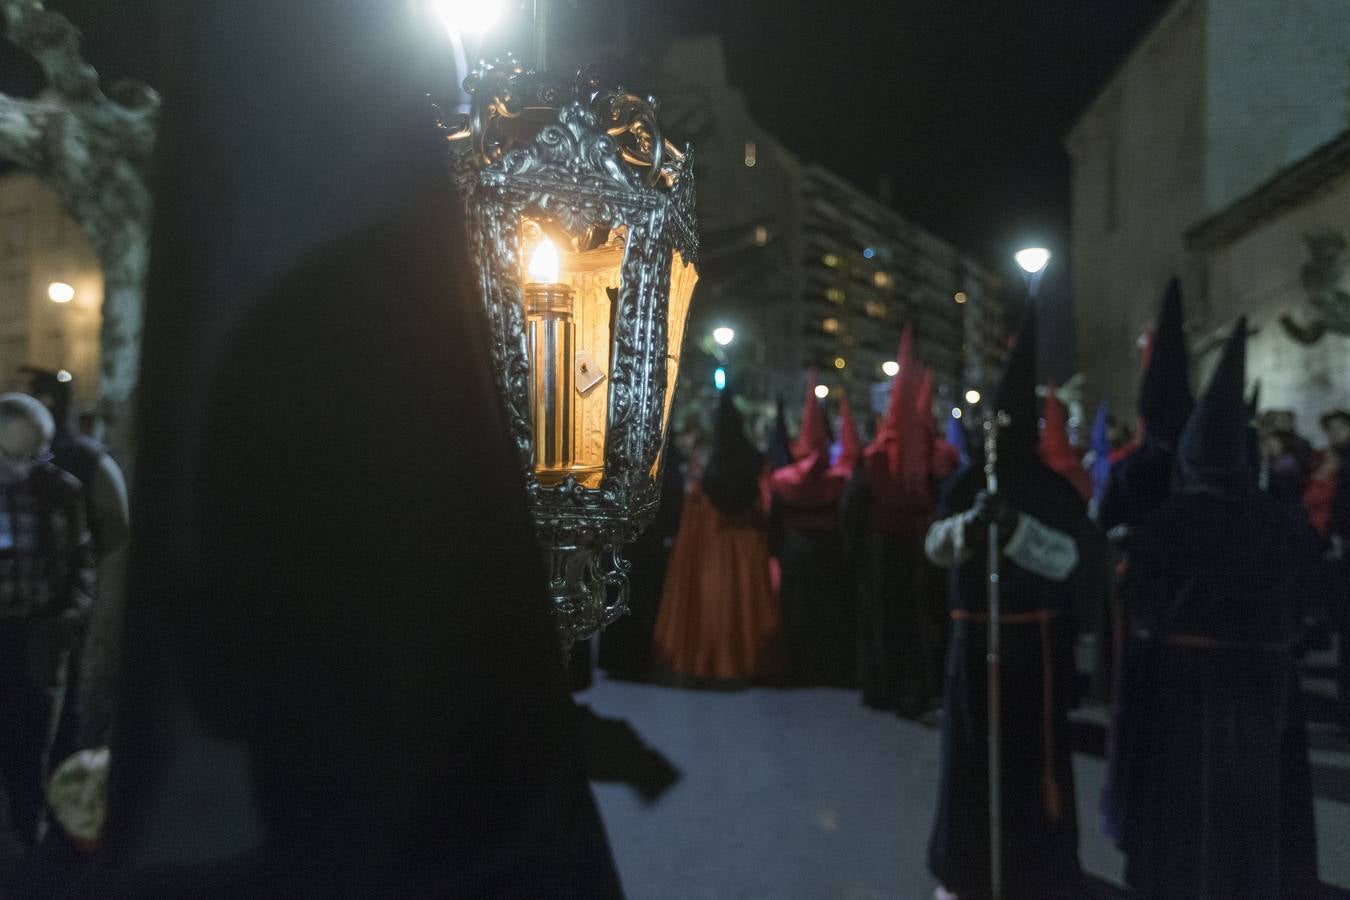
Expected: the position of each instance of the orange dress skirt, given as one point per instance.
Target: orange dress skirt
(719, 619)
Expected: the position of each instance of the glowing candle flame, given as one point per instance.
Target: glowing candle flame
(545, 263)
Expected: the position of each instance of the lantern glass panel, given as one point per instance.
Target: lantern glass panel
(683, 277)
(569, 315)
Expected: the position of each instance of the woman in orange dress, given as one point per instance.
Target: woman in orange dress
(719, 621)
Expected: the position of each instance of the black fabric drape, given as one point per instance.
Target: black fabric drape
(334, 578)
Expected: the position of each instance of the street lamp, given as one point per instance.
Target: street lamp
(467, 16)
(1033, 261)
(972, 396)
(580, 220)
(724, 336)
(60, 292)
(891, 368)
(822, 391)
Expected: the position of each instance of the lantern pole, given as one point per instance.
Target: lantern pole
(993, 661)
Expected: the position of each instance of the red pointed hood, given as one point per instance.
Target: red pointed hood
(810, 482)
(897, 462)
(1055, 449)
(899, 421)
(812, 438)
(850, 447)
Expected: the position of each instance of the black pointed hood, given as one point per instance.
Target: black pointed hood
(1016, 395)
(1165, 398)
(731, 478)
(1214, 453)
(780, 445)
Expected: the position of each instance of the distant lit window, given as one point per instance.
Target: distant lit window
(840, 362)
(831, 260)
(834, 295)
(960, 297)
(761, 235)
(751, 154)
(882, 279)
(875, 308)
(830, 326)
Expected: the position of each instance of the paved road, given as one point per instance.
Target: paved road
(789, 794)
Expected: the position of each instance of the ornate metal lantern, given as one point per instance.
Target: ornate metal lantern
(581, 222)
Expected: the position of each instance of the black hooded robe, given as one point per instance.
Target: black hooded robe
(1218, 797)
(342, 675)
(1040, 829)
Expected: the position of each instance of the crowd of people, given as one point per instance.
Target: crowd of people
(1207, 549)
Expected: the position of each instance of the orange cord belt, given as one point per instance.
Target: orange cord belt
(1041, 617)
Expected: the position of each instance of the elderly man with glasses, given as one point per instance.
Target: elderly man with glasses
(46, 572)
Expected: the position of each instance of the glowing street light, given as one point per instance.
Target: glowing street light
(1032, 259)
(891, 368)
(822, 391)
(956, 412)
(60, 292)
(724, 336)
(972, 396)
(467, 16)
(720, 378)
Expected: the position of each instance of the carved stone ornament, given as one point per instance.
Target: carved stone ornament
(1324, 281)
(589, 162)
(94, 151)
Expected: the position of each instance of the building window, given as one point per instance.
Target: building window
(830, 326)
(882, 279)
(751, 154)
(831, 260)
(834, 295)
(875, 309)
(761, 235)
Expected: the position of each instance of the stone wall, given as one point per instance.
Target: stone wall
(1138, 184)
(40, 244)
(1278, 88)
(1258, 273)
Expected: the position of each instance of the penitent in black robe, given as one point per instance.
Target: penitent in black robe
(1039, 824)
(1214, 775)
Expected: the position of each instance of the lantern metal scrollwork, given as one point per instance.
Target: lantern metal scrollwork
(581, 223)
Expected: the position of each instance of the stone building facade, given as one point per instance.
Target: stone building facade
(1221, 101)
(39, 245)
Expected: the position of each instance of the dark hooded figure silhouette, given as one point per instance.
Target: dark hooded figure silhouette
(731, 477)
(1218, 801)
(1138, 484)
(343, 677)
(1142, 480)
(1036, 508)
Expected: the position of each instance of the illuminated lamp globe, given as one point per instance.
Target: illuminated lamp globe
(822, 391)
(467, 16)
(972, 396)
(956, 412)
(60, 292)
(1032, 259)
(891, 368)
(724, 336)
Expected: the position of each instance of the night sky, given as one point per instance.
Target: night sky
(964, 104)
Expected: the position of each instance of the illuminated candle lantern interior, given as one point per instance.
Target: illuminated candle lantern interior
(550, 334)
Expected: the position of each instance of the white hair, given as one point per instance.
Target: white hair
(29, 409)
